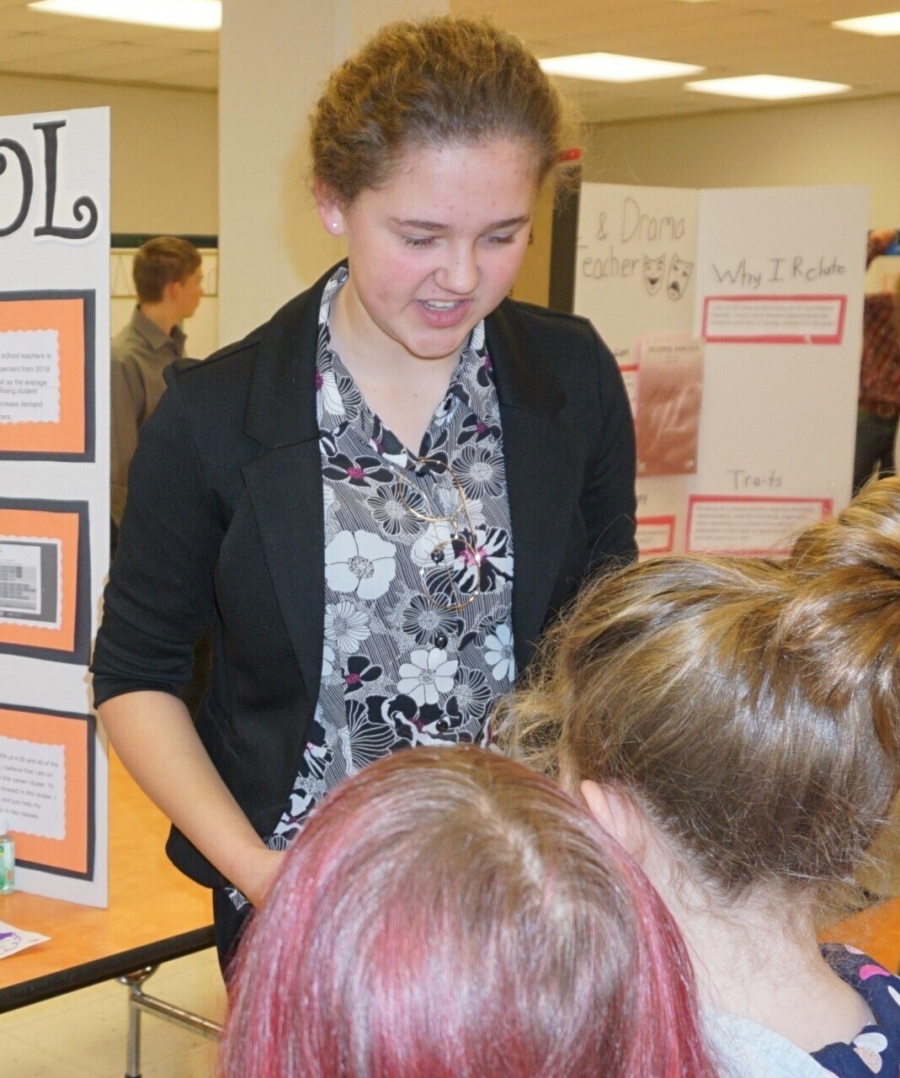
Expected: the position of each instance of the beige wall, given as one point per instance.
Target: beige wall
(271, 72)
(833, 142)
(164, 148)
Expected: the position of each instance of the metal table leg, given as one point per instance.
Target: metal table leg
(138, 1002)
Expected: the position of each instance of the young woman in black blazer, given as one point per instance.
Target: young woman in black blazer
(378, 498)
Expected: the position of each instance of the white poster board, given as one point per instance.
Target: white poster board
(54, 500)
(736, 317)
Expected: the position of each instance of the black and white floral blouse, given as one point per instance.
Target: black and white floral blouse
(418, 575)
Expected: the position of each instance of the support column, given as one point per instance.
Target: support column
(273, 58)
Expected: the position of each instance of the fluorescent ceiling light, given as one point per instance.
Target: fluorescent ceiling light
(879, 25)
(610, 67)
(766, 87)
(173, 14)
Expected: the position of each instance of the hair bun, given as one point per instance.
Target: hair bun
(843, 615)
(866, 534)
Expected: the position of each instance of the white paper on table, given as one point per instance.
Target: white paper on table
(14, 939)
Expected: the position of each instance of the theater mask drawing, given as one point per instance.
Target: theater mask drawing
(679, 275)
(654, 269)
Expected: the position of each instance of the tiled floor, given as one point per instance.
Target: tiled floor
(82, 1034)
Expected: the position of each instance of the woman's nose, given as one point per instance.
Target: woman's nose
(459, 274)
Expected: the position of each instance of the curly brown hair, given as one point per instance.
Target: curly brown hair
(441, 80)
(751, 710)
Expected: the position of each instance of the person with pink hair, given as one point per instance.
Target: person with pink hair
(447, 912)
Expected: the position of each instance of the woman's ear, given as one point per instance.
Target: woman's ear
(331, 212)
(617, 814)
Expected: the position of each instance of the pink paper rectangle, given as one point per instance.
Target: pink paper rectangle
(710, 531)
(774, 319)
(664, 524)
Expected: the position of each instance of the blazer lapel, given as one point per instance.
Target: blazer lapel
(541, 485)
(285, 490)
(285, 484)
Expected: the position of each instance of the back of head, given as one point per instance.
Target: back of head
(448, 913)
(162, 261)
(689, 683)
(427, 83)
(843, 619)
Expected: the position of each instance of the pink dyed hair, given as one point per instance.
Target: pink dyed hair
(448, 912)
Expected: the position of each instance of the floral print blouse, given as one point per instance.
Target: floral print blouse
(418, 575)
(876, 1049)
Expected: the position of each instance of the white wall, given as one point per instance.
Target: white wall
(164, 149)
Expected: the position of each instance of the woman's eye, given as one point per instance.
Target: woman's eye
(418, 241)
(502, 239)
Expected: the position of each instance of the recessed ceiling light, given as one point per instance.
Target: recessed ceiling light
(173, 14)
(879, 25)
(766, 87)
(610, 67)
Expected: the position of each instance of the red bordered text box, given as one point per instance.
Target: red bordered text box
(763, 334)
(813, 509)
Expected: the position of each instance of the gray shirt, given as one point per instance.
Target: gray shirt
(745, 1049)
(140, 353)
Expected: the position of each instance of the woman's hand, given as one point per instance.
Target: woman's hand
(263, 865)
(155, 737)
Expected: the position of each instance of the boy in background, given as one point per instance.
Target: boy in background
(167, 277)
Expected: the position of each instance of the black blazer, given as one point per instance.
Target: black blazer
(224, 525)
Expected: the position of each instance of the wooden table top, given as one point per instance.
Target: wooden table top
(875, 931)
(155, 913)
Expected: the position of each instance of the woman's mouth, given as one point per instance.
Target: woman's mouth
(442, 313)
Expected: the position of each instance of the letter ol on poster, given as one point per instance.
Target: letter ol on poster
(54, 508)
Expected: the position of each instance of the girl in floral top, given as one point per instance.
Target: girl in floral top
(736, 723)
(378, 498)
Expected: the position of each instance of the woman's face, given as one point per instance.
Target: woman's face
(437, 247)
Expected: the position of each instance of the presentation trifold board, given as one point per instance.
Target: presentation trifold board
(736, 319)
(54, 495)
